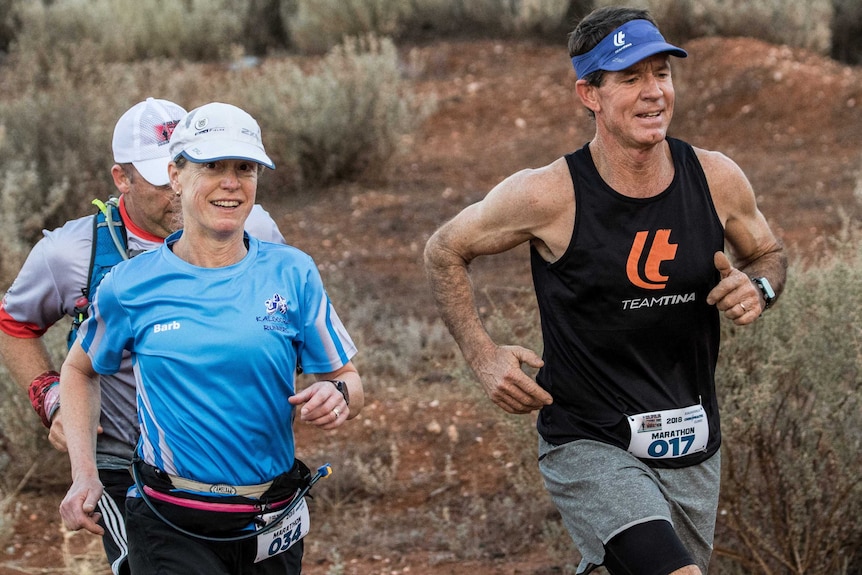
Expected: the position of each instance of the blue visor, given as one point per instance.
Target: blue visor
(627, 45)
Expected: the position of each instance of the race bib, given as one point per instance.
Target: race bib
(670, 433)
(290, 530)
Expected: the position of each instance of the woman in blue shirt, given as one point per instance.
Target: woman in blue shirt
(217, 324)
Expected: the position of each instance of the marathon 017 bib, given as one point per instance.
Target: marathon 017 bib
(290, 530)
(669, 433)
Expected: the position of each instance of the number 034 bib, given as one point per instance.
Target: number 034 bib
(669, 433)
(290, 530)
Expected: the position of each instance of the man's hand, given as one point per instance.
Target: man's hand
(735, 295)
(506, 383)
(56, 435)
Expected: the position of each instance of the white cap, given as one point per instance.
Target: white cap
(219, 131)
(142, 136)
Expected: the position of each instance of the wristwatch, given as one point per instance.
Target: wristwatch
(766, 289)
(342, 388)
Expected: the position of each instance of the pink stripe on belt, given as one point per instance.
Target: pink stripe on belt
(207, 506)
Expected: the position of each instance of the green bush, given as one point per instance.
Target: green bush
(47, 151)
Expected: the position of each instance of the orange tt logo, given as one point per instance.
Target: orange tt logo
(660, 251)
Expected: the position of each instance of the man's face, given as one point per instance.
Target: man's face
(635, 105)
(155, 209)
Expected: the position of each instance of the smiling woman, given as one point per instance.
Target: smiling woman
(218, 153)
(216, 390)
(217, 197)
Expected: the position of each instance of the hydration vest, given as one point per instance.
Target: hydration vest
(110, 247)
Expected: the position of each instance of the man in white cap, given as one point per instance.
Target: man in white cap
(55, 277)
(627, 238)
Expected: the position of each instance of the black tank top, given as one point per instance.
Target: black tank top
(625, 322)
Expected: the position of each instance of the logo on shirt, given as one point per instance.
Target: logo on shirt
(644, 271)
(276, 318)
(276, 304)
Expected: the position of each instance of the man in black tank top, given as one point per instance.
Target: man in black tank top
(627, 238)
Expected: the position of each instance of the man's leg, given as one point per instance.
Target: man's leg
(112, 506)
(650, 548)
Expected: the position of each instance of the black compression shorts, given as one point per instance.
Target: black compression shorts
(650, 548)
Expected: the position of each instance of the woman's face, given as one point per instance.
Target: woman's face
(216, 196)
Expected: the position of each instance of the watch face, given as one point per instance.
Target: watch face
(766, 289)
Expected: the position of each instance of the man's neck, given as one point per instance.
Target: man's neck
(634, 172)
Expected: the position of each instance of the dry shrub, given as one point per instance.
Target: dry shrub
(130, 30)
(60, 105)
(400, 345)
(343, 116)
(317, 25)
(24, 447)
(56, 124)
(491, 17)
(50, 124)
(792, 425)
(823, 26)
(847, 31)
(799, 23)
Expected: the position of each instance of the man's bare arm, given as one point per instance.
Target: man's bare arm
(24, 358)
(755, 250)
(505, 218)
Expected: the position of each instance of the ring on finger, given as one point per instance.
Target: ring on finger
(336, 412)
(744, 309)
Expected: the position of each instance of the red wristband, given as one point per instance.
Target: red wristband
(38, 388)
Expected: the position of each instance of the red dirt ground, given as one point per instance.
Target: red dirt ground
(792, 120)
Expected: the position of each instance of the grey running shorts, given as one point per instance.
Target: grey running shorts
(600, 490)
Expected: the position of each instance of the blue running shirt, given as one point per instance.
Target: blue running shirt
(215, 352)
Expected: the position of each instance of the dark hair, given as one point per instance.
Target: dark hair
(598, 24)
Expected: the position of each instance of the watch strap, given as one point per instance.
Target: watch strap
(341, 386)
